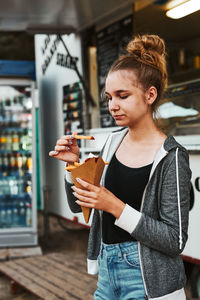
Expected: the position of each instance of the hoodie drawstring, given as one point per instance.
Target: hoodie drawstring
(179, 203)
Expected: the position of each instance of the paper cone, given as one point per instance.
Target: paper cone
(91, 171)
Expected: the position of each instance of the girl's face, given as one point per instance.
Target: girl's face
(127, 100)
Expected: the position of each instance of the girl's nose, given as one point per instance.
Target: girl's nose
(113, 105)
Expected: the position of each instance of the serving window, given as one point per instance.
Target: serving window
(179, 111)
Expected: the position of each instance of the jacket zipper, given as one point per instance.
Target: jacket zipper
(139, 246)
(139, 250)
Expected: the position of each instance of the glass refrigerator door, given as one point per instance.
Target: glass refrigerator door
(16, 148)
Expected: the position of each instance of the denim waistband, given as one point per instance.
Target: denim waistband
(119, 248)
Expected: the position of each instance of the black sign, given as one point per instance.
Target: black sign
(111, 43)
(66, 61)
(52, 50)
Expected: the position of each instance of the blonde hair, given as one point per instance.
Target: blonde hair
(147, 58)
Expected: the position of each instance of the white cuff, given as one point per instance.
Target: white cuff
(129, 219)
(68, 177)
(92, 267)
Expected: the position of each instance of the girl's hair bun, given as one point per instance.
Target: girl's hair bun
(147, 58)
(146, 44)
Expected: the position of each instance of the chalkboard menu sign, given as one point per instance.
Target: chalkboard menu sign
(72, 108)
(111, 43)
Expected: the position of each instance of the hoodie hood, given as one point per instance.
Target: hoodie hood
(170, 143)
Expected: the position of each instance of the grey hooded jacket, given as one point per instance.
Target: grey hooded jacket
(162, 223)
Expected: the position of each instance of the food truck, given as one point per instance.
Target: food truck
(65, 98)
(75, 43)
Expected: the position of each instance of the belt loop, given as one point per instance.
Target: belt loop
(120, 252)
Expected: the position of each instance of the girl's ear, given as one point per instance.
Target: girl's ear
(151, 95)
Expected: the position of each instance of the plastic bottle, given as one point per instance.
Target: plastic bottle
(8, 209)
(8, 139)
(13, 164)
(22, 211)
(2, 204)
(2, 212)
(15, 213)
(15, 141)
(3, 140)
(28, 215)
(26, 140)
(5, 160)
(21, 185)
(1, 166)
(29, 163)
(13, 185)
(28, 200)
(19, 164)
(24, 162)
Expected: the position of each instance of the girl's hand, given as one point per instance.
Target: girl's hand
(98, 197)
(66, 149)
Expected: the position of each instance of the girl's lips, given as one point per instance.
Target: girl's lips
(118, 117)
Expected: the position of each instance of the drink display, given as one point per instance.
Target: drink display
(73, 108)
(15, 157)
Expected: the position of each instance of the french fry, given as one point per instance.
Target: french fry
(83, 137)
(69, 168)
(77, 164)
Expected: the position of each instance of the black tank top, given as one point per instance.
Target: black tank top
(128, 185)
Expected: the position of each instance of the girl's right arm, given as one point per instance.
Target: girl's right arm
(67, 150)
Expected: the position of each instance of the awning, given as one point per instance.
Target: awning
(63, 16)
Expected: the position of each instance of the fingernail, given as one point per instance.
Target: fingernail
(56, 152)
(72, 136)
(77, 179)
(70, 142)
(74, 193)
(76, 201)
(67, 148)
(72, 187)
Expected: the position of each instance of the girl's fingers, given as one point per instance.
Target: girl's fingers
(62, 148)
(84, 193)
(83, 198)
(87, 185)
(67, 137)
(64, 142)
(67, 140)
(85, 204)
(53, 153)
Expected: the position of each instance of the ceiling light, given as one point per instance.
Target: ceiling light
(184, 9)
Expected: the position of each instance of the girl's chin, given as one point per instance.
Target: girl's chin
(121, 124)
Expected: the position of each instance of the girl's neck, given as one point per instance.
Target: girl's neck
(146, 132)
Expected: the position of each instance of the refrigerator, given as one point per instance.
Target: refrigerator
(18, 209)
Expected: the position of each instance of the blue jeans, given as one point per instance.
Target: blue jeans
(119, 273)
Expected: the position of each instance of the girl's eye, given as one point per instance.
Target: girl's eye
(123, 96)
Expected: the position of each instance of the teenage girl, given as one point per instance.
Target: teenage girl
(140, 221)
